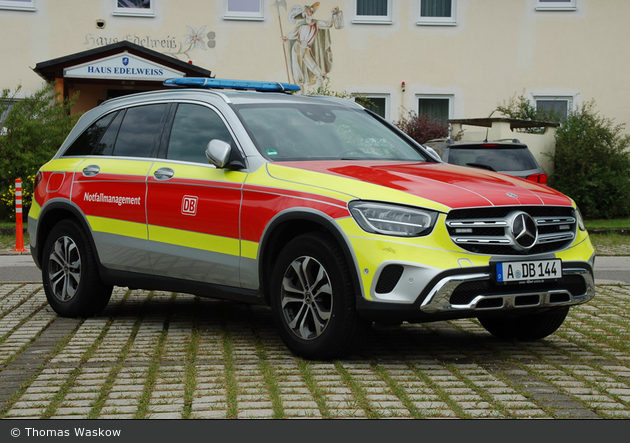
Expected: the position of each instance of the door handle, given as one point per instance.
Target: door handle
(163, 174)
(91, 170)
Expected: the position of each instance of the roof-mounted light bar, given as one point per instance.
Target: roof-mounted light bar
(242, 85)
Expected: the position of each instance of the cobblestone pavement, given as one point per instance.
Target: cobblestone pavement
(162, 355)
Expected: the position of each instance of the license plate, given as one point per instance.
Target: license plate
(516, 271)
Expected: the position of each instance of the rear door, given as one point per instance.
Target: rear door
(110, 185)
(192, 207)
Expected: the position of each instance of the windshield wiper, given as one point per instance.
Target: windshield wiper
(479, 165)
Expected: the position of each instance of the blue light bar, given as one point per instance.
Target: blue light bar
(243, 85)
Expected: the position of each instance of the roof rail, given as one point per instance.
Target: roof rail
(242, 85)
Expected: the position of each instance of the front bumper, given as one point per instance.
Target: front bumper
(471, 292)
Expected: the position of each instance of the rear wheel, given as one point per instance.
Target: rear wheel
(313, 301)
(69, 272)
(525, 327)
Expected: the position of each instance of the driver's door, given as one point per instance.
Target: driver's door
(192, 207)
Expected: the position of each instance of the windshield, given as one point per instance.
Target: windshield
(289, 131)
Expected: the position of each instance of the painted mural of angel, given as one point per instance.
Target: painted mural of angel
(309, 44)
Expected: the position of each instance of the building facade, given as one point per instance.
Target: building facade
(451, 58)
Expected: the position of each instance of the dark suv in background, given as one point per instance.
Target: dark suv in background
(505, 156)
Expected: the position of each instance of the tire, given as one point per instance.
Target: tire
(313, 301)
(525, 327)
(70, 275)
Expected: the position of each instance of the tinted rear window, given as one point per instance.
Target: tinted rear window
(86, 142)
(508, 159)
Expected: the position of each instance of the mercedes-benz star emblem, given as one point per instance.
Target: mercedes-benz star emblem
(524, 230)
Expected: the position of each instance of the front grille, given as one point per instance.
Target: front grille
(466, 292)
(489, 231)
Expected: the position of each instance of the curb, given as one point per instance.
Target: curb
(27, 252)
(11, 231)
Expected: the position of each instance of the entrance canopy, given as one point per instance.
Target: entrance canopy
(113, 70)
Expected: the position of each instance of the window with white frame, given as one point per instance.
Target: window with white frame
(244, 10)
(556, 5)
(554, 105)
(141, 8)
(373, 11)
(436, 106)
(437, 12)
(377, 103)
(5, 107)
(19, 5)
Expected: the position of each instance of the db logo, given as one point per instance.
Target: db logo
(189, 205)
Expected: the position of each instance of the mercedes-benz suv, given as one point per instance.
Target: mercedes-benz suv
(314, 206)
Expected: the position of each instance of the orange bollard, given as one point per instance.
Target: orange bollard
(19, 229)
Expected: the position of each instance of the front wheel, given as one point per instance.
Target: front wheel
(313, 301)
(525, 327)
(69, 271)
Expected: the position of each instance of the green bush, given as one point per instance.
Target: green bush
(30, 134)
(523, 109)
(592, 163)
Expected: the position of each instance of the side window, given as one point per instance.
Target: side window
(106, 145)
(140, 131)
(85, 144)
(193, 128)
(373, 11)
(437, 12)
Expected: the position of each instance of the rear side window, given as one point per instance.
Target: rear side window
(193, 128)
(140, 130)
(106, 145)
(87, 142)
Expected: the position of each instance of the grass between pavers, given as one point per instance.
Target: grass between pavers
(231, 384)
(23, 321)
(144, 403)
(360, 392)
(319, 395)
(568, 370)
(59, 397)
(99, 403)
(49, 357)
(190, 369)
(616, 344)
(481, 363)
(397, 390)
(360, 396)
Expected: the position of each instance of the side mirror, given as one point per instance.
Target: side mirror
(218, 153)
(433, 153)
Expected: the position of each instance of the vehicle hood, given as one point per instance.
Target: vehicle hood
(449, 185)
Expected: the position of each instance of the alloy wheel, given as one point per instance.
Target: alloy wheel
(306, 298)
(64, 268)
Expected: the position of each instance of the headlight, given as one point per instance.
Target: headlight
(580, 219)
(382, 218)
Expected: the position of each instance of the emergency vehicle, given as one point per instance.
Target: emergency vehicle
(314, 206)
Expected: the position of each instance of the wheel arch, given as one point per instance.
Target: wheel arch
(53, 213)
(290, 224)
